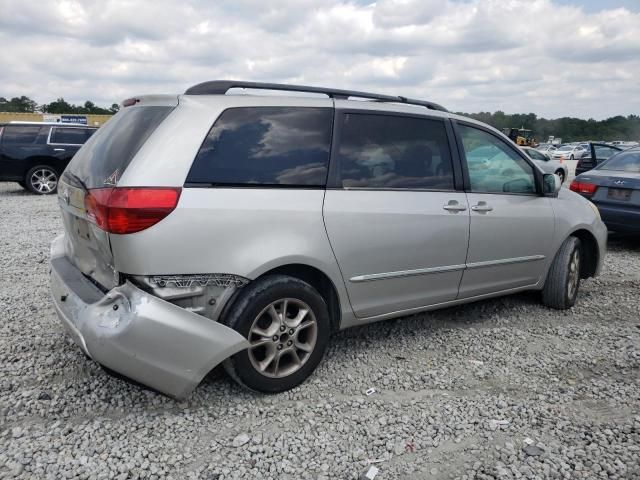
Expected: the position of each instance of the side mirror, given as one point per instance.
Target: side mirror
(551, 184)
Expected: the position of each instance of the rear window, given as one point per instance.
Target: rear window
(107, 154)
(258, 146)
(623, 162)
(20, 134)
(70, 136)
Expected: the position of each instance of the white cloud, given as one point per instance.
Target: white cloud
(515, 55)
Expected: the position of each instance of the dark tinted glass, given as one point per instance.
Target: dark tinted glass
(20, 134)
(286, 146)
(384, 151)
(106, 155)
(69, 136)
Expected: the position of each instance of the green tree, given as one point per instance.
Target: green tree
(18, 104)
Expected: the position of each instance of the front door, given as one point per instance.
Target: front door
(398, 227)
(512, 226)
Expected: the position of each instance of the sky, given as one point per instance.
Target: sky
(554, 58)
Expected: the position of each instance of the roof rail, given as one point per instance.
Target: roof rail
(220, 87)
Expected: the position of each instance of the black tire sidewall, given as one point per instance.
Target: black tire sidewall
(246, 308)
(572, 300)
(27, 179)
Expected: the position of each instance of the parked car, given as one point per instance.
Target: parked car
(546, 148)
(546, 164)
(34, 154)
(244, 229)
(568, 152)
(614, 187)
(597, 153)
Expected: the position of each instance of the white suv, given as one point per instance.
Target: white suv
(245, 229)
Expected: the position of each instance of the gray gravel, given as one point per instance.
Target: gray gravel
(500, 389)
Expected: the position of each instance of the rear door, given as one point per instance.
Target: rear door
(511, 225)
(64, 142)
(397, 224)
(20, 143)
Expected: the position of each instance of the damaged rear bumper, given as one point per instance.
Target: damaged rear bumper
(137, 334)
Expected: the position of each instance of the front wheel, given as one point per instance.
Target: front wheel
(286, 322)
(42, 180)
(560, 173)
(563, 279)
(571, 157)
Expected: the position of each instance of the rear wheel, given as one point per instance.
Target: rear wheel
(563, 280)
(560, 173)
(287, 324)
(42, 180)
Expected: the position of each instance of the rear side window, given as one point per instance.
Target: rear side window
(20, 134)
(284, 146)
(69, 136)
(393, 152)
(106, 155)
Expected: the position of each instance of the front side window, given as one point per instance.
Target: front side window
(20, 134)
(286, 146)
(68, 136)
(393, 152)
(493, 166)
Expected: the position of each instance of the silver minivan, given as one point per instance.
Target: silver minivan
(244, 229)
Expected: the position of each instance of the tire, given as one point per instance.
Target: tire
(563, 279)
(560, 173)
(571, 157)
(42, 180)
(258, 308)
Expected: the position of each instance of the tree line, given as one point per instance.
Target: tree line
(26, 105)
(568, 128)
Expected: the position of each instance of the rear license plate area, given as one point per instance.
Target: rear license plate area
(621, 194)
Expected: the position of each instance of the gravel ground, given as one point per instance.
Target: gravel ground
(500, 389)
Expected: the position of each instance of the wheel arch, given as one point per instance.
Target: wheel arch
(318, 280)
(590, 252)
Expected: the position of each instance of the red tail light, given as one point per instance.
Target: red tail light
(583, 187)
(124, 210)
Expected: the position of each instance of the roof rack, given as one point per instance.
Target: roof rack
(221, 87)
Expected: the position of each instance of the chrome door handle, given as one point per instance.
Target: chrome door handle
(454, 206)
(59, 150)
(482, 207)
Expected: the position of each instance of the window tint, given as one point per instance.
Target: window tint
(286, 146)
(384, 151)
(20, 134)
(68, 136)
(108, 152)
(493, 166)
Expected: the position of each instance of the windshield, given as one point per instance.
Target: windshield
(106, 155)
(565, 149)
(623, 162)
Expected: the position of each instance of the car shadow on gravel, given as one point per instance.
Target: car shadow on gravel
(18, 191)
(617, 242)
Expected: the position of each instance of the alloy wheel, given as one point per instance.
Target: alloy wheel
(282, 337)
(44, 180)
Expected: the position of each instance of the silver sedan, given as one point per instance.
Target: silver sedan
(546, 163)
